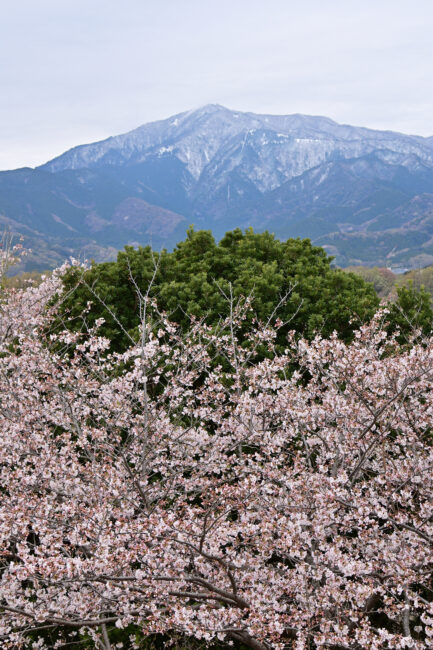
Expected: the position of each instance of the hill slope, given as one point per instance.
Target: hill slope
(365, 195)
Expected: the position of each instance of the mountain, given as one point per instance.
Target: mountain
(365, 195)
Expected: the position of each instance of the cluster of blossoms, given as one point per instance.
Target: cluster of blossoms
(225, 491)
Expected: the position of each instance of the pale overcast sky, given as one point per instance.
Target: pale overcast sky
(75, 71)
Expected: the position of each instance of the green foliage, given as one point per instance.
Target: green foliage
(199, 276)
(409, 297)
(411, 311)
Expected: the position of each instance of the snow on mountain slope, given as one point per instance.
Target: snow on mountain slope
(296, 175)
(268, 150)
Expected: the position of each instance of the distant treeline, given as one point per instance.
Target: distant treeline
(386, 282)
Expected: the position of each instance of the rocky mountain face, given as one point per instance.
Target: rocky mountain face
(365, 195)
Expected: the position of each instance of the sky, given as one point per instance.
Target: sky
(76, 71)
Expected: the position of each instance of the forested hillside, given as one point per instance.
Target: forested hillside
(386, 282)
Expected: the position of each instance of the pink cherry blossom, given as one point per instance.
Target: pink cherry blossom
(277, 502)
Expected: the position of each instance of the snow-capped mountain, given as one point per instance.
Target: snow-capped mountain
(296, 175)
(268, 150)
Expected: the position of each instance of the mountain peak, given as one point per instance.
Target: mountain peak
(266, 149)
(212, 108)
(296, 175)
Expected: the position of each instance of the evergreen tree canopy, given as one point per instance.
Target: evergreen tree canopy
(411, 311)
(292, 280)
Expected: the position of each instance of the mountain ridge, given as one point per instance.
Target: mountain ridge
(297, 175)
(145, 139)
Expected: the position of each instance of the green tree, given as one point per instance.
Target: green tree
(292, 278)
(411, 311)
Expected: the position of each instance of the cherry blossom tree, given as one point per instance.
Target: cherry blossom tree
(200, 485)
